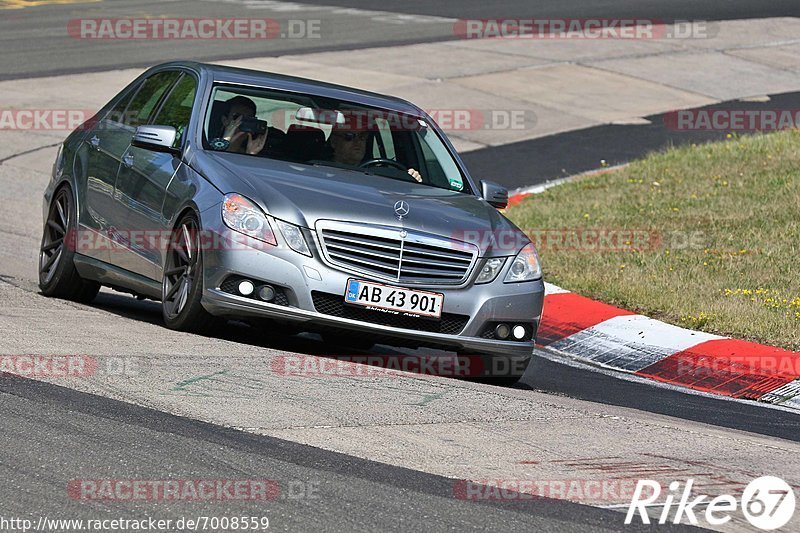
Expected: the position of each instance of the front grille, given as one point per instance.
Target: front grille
(333, 304)
(231, 286)
(395, 254)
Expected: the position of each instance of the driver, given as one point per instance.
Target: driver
(350, 147)
(236, 109)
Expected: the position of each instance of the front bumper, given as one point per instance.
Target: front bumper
(302, 278)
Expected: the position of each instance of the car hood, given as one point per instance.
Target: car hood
(303, 194)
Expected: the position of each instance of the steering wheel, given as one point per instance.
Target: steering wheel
(382, 161)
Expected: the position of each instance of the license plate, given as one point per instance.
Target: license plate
(394, 300)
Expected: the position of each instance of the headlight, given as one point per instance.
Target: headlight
(294, 237)
(490, 269)
(525, 267)
(242, 215)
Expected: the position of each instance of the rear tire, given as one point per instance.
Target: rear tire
(58, 276)
(182, 283)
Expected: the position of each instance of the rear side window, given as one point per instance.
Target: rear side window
(147, 98)
(177, 108)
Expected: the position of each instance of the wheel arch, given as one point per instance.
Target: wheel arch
(180, 213)
(53, 189)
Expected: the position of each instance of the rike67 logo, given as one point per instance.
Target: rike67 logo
(767, 503)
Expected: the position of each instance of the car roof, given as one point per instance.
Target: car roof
(243, 76)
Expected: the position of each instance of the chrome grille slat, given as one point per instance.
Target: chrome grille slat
(408, 258)
(362, 241)
(382, 252)
(444, 266)
(453, 247)
(430, 272)
(409, 249)
(351, 249)
(391, 268)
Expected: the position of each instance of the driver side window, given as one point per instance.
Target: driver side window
(177, 108)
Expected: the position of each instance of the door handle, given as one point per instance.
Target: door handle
(95, 142)
(127, 160)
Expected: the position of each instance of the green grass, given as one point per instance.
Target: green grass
(728, 218)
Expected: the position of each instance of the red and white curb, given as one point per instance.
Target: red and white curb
(601, 334)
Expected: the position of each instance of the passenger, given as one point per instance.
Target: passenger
(349, 147)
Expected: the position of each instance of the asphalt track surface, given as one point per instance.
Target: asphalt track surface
(36, 42)
(50, 432)
(54, 434)
(553, 378)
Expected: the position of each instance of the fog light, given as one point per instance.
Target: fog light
(266, 293)
(246, 288)
(502, 331)
(518, 332)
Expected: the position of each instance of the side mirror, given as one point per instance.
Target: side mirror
(155, 138)
(495, 194)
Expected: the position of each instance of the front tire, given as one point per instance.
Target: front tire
(58, 276)
(182, 283)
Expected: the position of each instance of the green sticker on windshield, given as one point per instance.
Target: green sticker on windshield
(457, 185)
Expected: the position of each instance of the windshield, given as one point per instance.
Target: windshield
(324, 132)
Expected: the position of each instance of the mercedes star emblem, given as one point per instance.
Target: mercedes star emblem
(401, 209)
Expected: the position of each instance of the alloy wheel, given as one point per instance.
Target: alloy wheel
(55, 236)
(180, 273)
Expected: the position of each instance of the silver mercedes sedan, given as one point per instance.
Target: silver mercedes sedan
(230, 193)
